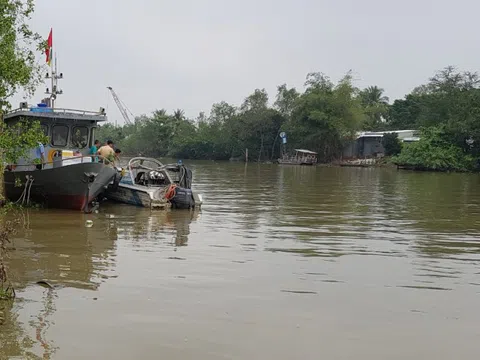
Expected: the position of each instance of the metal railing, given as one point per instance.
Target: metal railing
(99, 157)
(58, 111)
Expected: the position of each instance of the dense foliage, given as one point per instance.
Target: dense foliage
(391, 143)
(18, 69)
(435, 151)
(323, 118)
(447, 109)
(18, 66)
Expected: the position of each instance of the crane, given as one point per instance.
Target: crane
(122, 107)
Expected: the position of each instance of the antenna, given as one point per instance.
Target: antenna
(54, 91)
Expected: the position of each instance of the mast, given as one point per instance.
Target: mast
(54, 90)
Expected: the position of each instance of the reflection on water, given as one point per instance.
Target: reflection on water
(57, 246)
(281, 262)
(141, 226)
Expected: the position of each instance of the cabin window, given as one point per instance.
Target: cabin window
(44, 129)
(59, 135)
(80, 137)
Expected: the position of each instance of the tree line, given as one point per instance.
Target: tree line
(323, 118)
(18, 70)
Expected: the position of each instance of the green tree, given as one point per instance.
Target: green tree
(179, 115)
(375, 107)
(111, 132)
(403, 114)
(323, 118)
(319, 82)
(222, 132)
(258, 101)
(391, 144)
(201, 117)
(373, 96)
(285, 100)
(447, 107)
(326, 116)
(257, 126)
(18, 70)
(435, 151)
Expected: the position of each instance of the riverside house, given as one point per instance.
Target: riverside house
(368, 144)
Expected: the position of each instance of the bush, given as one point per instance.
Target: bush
(391, 144)
(434, 152)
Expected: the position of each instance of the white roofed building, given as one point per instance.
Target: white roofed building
(369, 143)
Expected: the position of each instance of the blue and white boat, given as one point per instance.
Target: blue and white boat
(148, 183)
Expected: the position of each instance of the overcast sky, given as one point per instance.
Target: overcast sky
(191, 53)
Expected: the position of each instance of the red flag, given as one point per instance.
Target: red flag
(48, 50)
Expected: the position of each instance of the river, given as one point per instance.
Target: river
(280, 263)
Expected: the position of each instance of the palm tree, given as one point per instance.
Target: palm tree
(160, 113)
(179, 114)
(375, 106)
(372, 96)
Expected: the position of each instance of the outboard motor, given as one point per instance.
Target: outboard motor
(183, 199)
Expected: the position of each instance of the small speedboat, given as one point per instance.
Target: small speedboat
(149, 183)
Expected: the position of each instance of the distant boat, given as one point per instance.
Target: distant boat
(148, 183)
(301, 157)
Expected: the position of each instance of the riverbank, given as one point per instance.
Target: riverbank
(383, 162)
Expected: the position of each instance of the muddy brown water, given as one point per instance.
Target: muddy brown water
(282, 262)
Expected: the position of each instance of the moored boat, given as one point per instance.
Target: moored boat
(68, 178)
(148, 183)
(301, 157)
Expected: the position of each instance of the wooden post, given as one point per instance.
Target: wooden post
(246, 155)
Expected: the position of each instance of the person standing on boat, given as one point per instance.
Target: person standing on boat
(107, 153)
(40, 156)
(94, 149)
(117, 155)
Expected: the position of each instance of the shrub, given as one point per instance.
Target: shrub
(391, 144)
(434, 152)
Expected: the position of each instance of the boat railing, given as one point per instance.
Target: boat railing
(144, 159)
(58, 111)
(82, 157)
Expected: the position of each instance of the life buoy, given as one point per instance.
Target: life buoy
(170, 192)
(53, 153)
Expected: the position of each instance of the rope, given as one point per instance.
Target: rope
(29, 189)
(170, 192)
(183, 175)
(25, 196)
(22, 196)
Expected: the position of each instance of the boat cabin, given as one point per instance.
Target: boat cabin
(306, 156)
(71, 133)
(301, 157)
(152, 173)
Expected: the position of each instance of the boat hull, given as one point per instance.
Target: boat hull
(288, 162)
(68, 187)
(152, 198)
(130, 194)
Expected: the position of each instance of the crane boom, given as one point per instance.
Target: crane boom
(121, 107)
